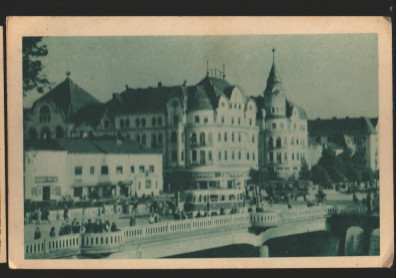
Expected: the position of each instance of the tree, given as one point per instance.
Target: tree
(33, 78)
(320, 175)
(305, 173)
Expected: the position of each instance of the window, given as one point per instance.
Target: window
(148, 184)
(281, 125)
(194, 155)
(279, 157)
(159, 121)
(233, 155)
(78, 191)
(202, 138)
(240, 106)
(226, 136)
(139, 185)
(182, 156)
(238, 121)
(138, 138)
(119, 170)
(151, 168)
(254, 156)
(239, 155)
(194, 138)
(132, 169)
(205, 119)
(44, 116)
(285, 156)
(271, 157)
(226, 155)
(141, 169)
(127, 123)
(273, 125)
(174, 156)
(121, 123)
(253, 138)
(233, 120)
(233, 137)
(78, 170)
(160, 139)
(239, 137)
(92, 170)
(137, 122)
(153, 121)
(153, 140)
(202, 157)
(222, 119)
(176, 119)
(209, 155)
(219, 155)
(278, 142)
(174, 137)
(271, 142)
(292, 156)
(219, 137)
(250, 122)
(297, 156)
(248, 156)
(104, 170)
(143, 122)
(197, 119)
(144, 139)
(297, 141)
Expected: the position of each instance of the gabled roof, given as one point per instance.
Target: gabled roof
(68, 97)
(91, 114)
(80, 146)
(289, 109)
(335, 126)
(374, 121)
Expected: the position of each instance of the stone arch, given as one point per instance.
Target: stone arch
(354, 241)
(374, 243)
(59, 132)
(32, 134)
(45, 133)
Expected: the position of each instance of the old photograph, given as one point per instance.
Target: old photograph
(169, 147)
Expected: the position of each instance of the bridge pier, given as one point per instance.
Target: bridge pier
(264, 251)
(354, 241)
(374, 243)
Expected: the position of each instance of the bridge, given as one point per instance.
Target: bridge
(184, 236)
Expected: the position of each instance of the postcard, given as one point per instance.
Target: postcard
(199, 142)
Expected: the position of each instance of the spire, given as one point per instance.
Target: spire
(67, 73)
(273, 78)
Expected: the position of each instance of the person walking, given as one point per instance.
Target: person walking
(37, 234)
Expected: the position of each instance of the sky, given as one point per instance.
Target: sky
(327, 75)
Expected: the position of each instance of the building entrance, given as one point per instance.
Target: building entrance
(46, 193)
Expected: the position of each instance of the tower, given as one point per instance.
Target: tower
(274, 97)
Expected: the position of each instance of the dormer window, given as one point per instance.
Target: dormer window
(44, 114)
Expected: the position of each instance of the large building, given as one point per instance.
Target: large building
(207, 132)
(84, 169)
(283, 140)
(358, 133)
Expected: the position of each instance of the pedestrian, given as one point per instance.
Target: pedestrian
(62, 229)
(66, 213)
(369, 202)
(113, 227)
(151, 219)
(52, 232)
(37, 234)
(132, 221)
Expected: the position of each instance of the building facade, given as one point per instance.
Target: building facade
(90, 169)
(283, 138)
(358, 134)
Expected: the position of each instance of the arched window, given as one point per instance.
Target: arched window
(127, 123)
(44, 116)
(271, 142)
(202, 138)
(194, 138)
(45, 134)
(121, 123)
(59, 132)
(219, 137)
(32, 134)
(173, 137)
(278, 142)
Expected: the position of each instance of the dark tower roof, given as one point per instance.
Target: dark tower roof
(273, 80)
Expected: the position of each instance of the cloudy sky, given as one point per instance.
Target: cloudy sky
(328, 75)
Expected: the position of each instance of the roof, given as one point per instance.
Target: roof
(90, 114)
(80, 146)
(289, 109)
(145, 100)
(336, 126)
(374, 121)
(69, 97)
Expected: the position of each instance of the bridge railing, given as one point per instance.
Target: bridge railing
(46, 246)
(96, 240)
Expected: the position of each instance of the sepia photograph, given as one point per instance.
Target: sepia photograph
(184, 146)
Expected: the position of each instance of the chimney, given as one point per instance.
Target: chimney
(126, 86)
(115, 95)
(223, 71)
(184, 84)
(159, 84)
(334, 118)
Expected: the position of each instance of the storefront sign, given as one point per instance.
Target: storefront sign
(46, 179)
(228, 174)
